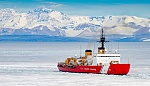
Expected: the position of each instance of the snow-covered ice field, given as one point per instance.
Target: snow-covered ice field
(34, 64)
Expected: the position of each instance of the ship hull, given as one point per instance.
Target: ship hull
(115, 69)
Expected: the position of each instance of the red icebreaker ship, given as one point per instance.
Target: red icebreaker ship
(101, 63)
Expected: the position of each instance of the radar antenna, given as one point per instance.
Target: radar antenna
(101, 49)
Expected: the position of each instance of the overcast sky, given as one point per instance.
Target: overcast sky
(140, 8)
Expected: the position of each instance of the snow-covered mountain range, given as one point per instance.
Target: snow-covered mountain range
(43, 21)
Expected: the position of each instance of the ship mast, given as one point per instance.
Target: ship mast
(101, 50)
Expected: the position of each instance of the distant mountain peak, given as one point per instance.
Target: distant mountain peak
(8, 11)
(45, 11)
(41, 10)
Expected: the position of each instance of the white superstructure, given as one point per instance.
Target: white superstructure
(104, 59)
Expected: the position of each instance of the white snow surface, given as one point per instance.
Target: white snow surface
(46, 74)
(35, 64)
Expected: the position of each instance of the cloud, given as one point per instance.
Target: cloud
(53, 4)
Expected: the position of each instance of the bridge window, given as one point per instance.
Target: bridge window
(108, 56)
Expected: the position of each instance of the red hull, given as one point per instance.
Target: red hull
(82, 69)
(116, 69)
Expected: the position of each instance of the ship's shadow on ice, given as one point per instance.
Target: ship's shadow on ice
(57, 71)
